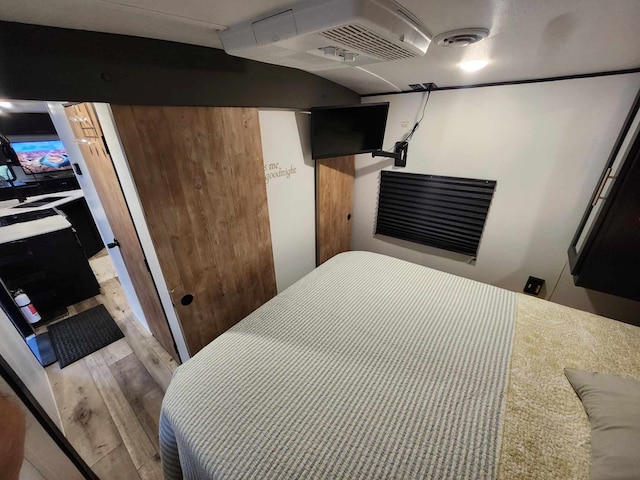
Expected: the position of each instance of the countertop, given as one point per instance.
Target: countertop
(20, 231)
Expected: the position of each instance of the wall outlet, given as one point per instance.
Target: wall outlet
(533, 286)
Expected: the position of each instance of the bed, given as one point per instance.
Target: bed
(373, 367)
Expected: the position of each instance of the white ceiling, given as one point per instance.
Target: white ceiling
(529, 38)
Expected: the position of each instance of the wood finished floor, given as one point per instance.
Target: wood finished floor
(109, 401)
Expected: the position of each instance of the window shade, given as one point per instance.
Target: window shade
(442, 212)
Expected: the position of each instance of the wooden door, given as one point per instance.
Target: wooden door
(85, 125)
(334, 203)
(200, 177)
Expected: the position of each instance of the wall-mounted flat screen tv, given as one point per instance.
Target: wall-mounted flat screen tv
(41, 157)
(349, 130)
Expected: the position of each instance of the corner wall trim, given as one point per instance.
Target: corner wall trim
(515, 82)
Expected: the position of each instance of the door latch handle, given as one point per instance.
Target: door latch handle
(113, 244)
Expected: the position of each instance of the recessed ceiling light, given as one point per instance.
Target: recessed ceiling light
(5, 104)
(473, 65)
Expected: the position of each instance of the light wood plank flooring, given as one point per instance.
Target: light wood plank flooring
(110, 401)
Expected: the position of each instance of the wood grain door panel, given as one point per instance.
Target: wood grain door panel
(85, 125)
(200, 177)
(334, 203)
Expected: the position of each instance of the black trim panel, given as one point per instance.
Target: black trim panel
(48, 63)
(515, 82)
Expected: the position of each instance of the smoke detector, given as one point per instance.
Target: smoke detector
(461, 38)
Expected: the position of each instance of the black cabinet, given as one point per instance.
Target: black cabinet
(43, 186)
(605, 253)
(78, 214)
(52, 269)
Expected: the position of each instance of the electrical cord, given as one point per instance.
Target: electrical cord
(417, 124)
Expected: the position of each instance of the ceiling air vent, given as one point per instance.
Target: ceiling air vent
(461, 38)
(318, 35)
(364, 40)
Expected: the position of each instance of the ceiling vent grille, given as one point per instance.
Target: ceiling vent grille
(337, 33)
(461, 38)
(360, 38)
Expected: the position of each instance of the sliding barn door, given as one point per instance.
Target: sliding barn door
(200, 176)
(334, 203)
(85, 126)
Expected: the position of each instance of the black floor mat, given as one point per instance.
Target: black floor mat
(84, 333)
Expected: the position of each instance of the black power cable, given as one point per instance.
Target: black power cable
(417, 124)
(400, 149)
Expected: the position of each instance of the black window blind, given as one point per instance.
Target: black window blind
(442, 212)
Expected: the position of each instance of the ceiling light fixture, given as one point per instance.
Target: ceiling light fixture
(473, 65)
(5, 104)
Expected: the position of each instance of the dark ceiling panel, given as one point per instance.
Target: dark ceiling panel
(13, 124)
(46, 63)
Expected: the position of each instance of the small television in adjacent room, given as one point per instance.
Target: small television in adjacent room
(42, 156)
(348, 130)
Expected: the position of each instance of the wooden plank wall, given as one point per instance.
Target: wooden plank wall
(200, 177)
(334, 203)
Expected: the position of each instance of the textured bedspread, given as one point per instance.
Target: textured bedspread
(546, 431)
(369, 367)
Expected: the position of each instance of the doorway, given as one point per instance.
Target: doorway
(107, 403)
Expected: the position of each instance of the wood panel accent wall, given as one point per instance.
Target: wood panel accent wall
(200, 177)
(334, 203)
(107, 186)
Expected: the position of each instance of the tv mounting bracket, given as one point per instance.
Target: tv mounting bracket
(399, 154)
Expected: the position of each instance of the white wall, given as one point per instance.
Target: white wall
(60, 121)
(17, 354)
(546, 145)
(290, 176)
(29, 472)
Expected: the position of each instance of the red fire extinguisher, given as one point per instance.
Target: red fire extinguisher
(26, 307)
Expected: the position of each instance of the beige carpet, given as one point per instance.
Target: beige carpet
(546, 434)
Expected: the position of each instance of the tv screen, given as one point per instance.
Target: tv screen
(42, 157)
(337, 131)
